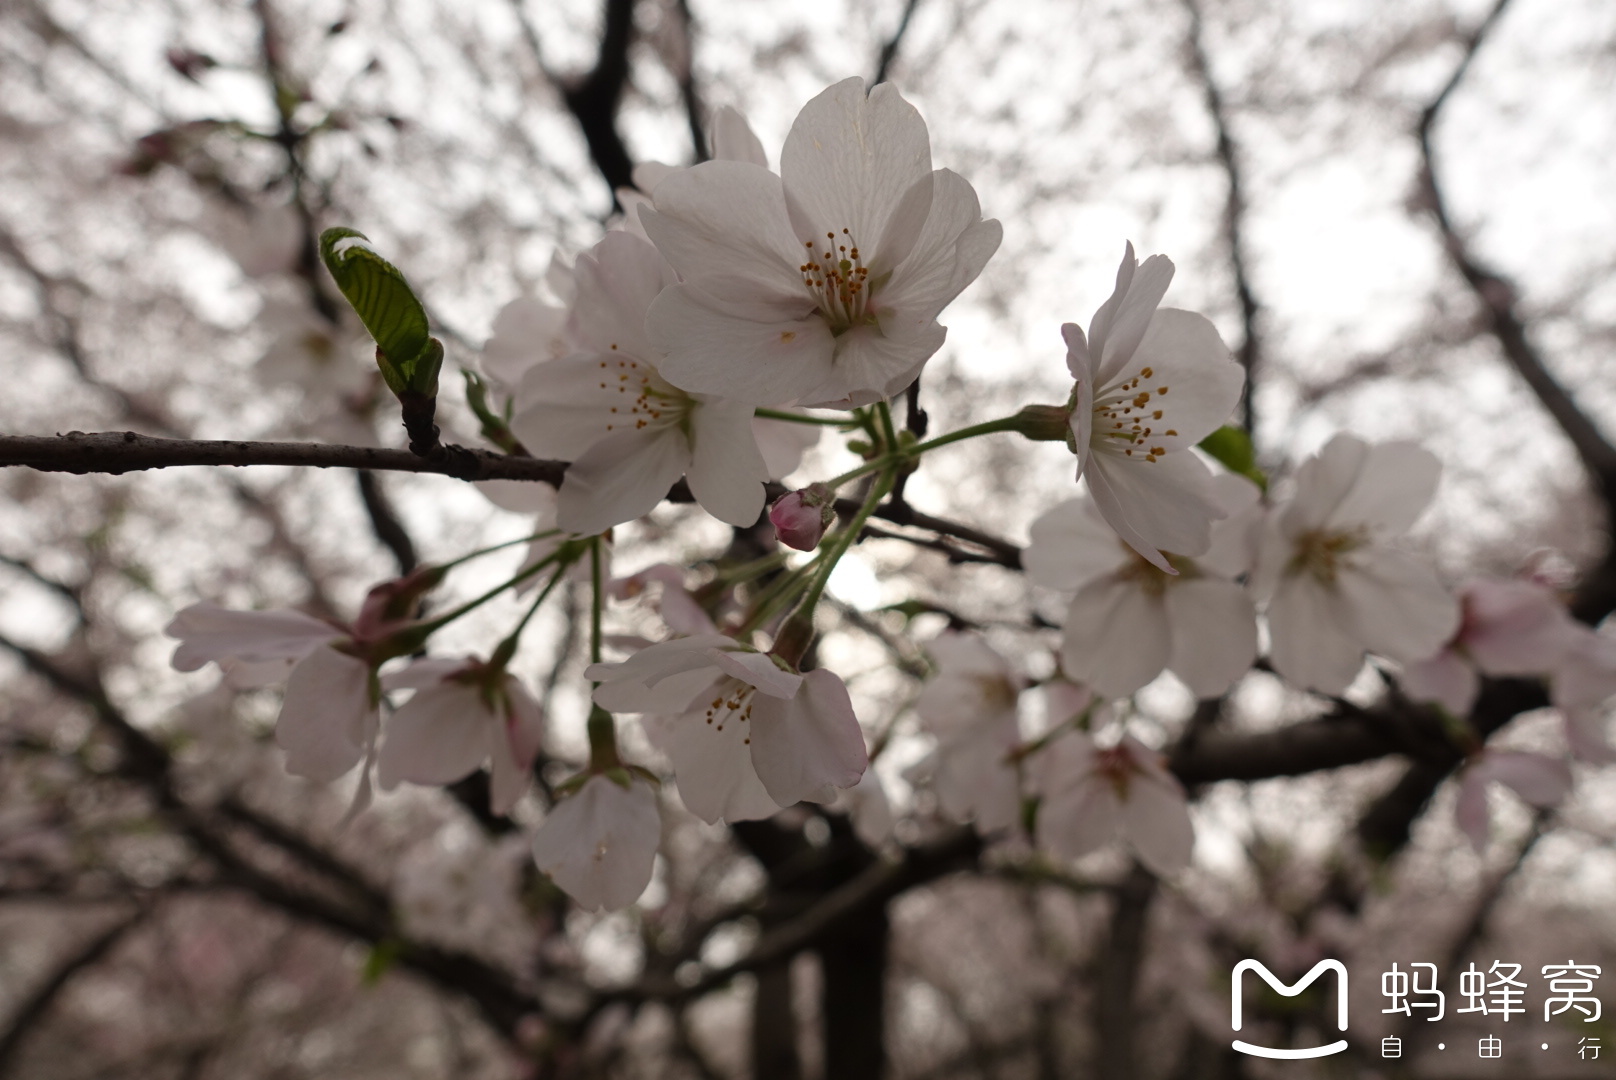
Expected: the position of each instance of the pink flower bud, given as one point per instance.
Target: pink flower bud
(801, 517)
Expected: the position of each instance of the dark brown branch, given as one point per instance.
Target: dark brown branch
(889, 51)
(146, 762)
(593, 101)
(385, 522)
(39, 1002)
(872, 888)
(1497, 295)
(126, 451)
(1116, 1012)
(1234, 210)
(689, 92)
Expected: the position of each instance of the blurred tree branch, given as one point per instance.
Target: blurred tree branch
(1234, 212)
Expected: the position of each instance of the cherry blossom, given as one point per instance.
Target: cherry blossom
(867, 804)
(800, 518)
(970, 707)
(1150, 385)
(1091, 794)
(600, 843)
(330, 712)
(629, 433)
(1335, 586)
(462, 714)
(1505, 628)
(746, 736)
(1129, 620)
(1582, 682)
(821, 285)
(531, 330)
(1540, 781)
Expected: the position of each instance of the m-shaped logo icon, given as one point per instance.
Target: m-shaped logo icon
(1289, 990)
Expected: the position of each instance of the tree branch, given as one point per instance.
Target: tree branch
(1498, 297)
(39, 1002)
(889, 51)
(594, 100)
(1234, 211)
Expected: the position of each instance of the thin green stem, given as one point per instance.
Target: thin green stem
(507, 648)
(595, 580)
(987, 427)
(448, 617)
(803, 418)
(452, 563)
(844, 539)
(888, 431)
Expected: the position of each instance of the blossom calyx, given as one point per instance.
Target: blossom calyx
(800, 518)
(1046, 423)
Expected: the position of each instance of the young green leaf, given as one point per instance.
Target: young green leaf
(388, 308)
(1231, 446)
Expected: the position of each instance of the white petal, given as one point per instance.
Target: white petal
(1540, 781)
(866, 802)
(600, 844)
(1516, 627)
(1323, 481)
(518, 496)
(440, 735)
(1156, 506)
(1071, 544)
(210, 632)
(1234, 539)
(616, 279)
(425, 672)
(1395, 483)
(723, 226)
(755, 360)
(1585, 735)
(1156, 821)
(973, 780)
(783, 443)
(1313, 641)
(566, 406)
(1399, 607)
(848, 163)
(1213, 627)
(327, 716)
(1121, 321)
(931, 276)
(809, 741)
(620, 478)
(726, 472)
(712, 763)
(732, 138)
(1193, 383)
(1446, 679)
(527, 331)
(758, 670)
(875, 364)
(1116, 637)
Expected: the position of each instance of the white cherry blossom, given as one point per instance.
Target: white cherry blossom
(1540, 781)
(1150, 385)
(821, 285)
(461, 715)
(531, 330)
(1092, 794)
(746, 736)
(1129, 620)
(628, 432)
(971, 707)
(1580, 686)
(329, 713)
(600, 843)
(1334, 584)
(1506, 628)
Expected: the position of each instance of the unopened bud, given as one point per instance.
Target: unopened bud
(800, 518)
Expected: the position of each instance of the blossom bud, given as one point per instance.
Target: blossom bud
(801, 517)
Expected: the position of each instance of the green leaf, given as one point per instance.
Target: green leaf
(406, 352)
(1232, 447)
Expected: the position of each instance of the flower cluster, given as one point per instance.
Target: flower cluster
(687, 346)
